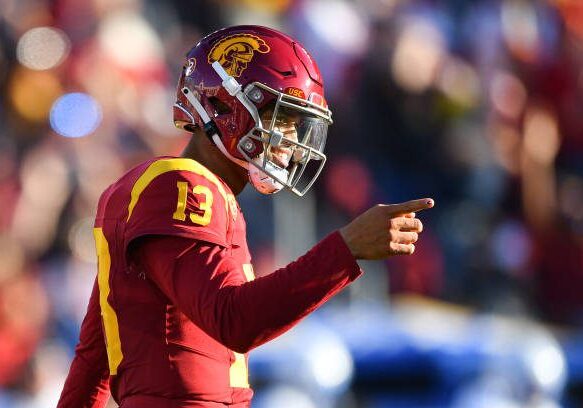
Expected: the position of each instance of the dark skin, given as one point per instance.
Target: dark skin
(382, 231)
(204, 151)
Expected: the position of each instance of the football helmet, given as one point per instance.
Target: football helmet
(259, 96)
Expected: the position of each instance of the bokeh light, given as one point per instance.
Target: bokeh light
(520, 28)
(130, 41)
(511, 246)
(32, 93)
(418, 53)
(272, 6)
(350, 37)
(541, 135)
(507, 94)
(331, 364)
(545, 362)
(42, 48)
(459, 82)
(75, 115)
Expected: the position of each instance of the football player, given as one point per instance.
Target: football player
(176, 307)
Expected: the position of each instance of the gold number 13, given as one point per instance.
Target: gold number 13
(205, 206)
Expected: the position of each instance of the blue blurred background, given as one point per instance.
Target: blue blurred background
(478, 104)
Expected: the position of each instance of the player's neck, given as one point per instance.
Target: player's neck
(201, 149)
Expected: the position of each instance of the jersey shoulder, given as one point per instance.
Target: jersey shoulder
(177, 196)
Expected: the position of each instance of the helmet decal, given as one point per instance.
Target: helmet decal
(236, 51)
(297, 92)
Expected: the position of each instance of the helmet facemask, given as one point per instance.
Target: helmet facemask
(292, 135)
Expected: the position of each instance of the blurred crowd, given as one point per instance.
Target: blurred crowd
(476, 103)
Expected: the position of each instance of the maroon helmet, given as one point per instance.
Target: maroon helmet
(259, 95)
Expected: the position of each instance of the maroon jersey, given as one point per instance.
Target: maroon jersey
(176, 308)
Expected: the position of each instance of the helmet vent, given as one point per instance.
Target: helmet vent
(284, 73)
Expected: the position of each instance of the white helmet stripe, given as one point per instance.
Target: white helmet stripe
(196, 104)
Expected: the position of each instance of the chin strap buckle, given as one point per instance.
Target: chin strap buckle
(210, 128)
(232, 86)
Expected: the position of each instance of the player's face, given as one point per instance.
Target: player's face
(286, 124)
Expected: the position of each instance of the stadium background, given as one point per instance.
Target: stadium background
(475, 103)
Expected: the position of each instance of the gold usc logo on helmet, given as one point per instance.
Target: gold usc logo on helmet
(236, 51)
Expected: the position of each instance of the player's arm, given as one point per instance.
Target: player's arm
(213, 292)
(87, 384)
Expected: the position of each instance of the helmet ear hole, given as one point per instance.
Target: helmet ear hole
(189, 127)
(220, 107)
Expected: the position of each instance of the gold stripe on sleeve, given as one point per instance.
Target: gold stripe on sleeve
(166, 165)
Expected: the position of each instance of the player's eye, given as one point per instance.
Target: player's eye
(285, 126)
(286, 144)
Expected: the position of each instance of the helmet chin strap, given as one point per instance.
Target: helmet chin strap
(207, 120)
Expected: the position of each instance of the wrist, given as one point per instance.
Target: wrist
(347, 240)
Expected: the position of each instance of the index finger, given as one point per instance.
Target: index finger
(411, 206)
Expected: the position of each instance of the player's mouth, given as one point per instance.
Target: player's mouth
(281, 156)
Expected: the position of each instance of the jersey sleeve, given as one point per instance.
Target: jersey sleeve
(179, 203)
(87, 384)
(212, 290)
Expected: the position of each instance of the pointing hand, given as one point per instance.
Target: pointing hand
(385, 230)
